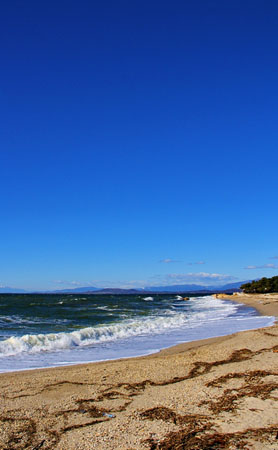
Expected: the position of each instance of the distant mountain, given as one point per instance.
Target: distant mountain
(11, 290)
(194, 287)
(175, 288)
(116, 291)
(79, 290)
(231, 285)
(94, 290)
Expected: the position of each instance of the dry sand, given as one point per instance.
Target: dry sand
(212, 394)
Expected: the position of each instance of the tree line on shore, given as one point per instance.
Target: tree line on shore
(262, 286)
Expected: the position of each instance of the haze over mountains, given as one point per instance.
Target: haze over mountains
(11, 290)
(152, 289)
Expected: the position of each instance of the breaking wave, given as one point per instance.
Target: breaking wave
(87, 336)
(127, 328)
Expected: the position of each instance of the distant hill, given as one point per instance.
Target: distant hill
(194, 287)
(262, 286)
(176, 288)
(78, 290)
(116, 291)
(231, 285)
(11, 290)
(154, 289)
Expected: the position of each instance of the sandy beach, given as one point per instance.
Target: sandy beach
(211, 394)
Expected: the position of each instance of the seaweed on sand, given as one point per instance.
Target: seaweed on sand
(195, 433)
(250, 376)
(228, 401)
(168, 415)
(200, 439)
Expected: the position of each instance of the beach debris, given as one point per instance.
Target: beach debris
(39, 445)
(198, 438)
(168, 415)
(109, 415)
(229, 400)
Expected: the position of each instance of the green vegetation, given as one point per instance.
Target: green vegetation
(262, 286)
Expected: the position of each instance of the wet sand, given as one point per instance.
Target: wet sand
(209, 394)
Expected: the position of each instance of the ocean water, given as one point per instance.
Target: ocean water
(53, 330)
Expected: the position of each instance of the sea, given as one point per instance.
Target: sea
(40, 330)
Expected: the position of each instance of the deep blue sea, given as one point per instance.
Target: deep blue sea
(53, 330)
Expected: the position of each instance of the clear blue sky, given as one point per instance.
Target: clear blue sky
(138, 138)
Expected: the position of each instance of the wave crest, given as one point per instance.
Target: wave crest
(169, 320)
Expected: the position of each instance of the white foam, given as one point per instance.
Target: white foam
(87, 336)
(105, 308)
(206, 309)
(201, 318)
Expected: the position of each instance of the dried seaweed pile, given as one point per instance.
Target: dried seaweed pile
(253, 387)
(196, 431)
(199, 439)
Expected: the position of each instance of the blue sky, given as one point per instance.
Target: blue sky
(138, 142)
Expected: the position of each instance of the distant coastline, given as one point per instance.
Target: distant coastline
(266, 304)
(167, 289)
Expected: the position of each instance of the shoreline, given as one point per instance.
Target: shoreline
(259, 302)
(265, 304)
(141, 402)
(243, 299)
